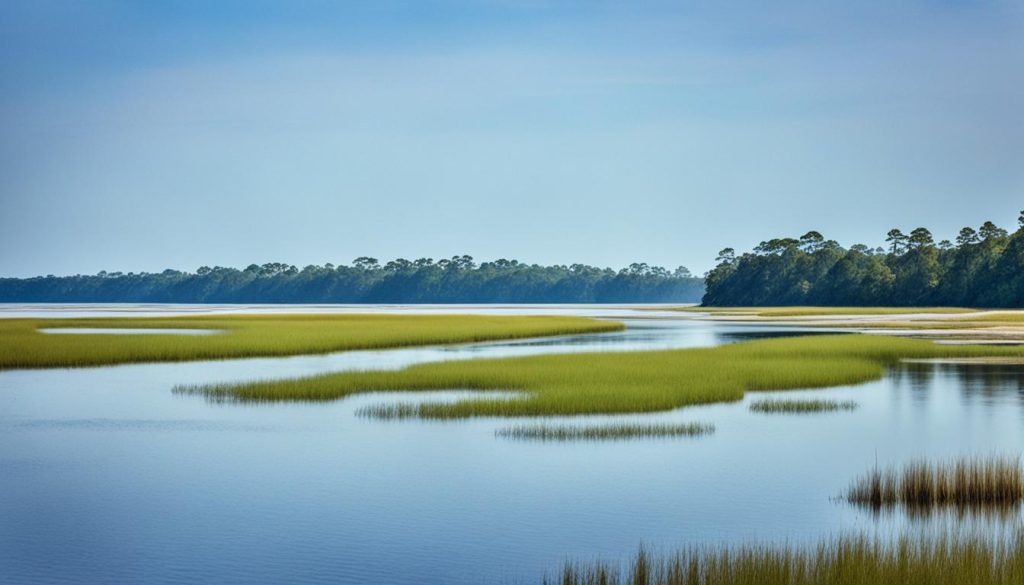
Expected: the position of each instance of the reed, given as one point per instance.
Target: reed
(800, 406)
(389, 411)
(605, 432)
(23, 346)
(845, 560)
(618, 382)
(967, 481)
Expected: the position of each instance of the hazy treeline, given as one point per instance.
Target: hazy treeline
(984, 267)
(458, 280)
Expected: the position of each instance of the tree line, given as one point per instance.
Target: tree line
(983, 267)
(456, 280)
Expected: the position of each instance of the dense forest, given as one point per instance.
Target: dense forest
(458, 280)
(984, 267)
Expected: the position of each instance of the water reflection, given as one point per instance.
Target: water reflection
(989, 383)
(772, 333)
(994, 515)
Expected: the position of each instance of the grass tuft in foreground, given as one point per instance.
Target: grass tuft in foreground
(23, 346)
(800, 406)
(968, 481)
(604, 432)
(844, 560)
(619, 382)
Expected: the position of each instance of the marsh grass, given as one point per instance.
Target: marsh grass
(398, 411)
(389, 411)
(845, 560)
(1007, 317)
(800, 406)
(23, 346)
(619, 382)
(916, 324)
(967, 482)
(606, 432)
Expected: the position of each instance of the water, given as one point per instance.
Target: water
(107, 476)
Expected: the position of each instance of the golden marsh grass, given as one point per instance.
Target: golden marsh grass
(620, 382)
(800, 406)
(845, 560)
(967, 482)
(22, 345)
(603, 432)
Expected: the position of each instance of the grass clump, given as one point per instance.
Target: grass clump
(968, 481)
(800, 406)
(620, 382)
(23, 346)
(389, 411)
(845, 560)
(386, 411)
(604, 432)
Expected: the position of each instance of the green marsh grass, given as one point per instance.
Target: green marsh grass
(22, 345)
(967, 481)
(605, 432)
(941, 559)
(620, 382)
(800, 405)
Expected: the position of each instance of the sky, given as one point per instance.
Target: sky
(139, 136)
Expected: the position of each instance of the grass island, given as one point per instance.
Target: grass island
(23, 345)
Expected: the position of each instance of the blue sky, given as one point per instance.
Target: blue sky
(140, 136)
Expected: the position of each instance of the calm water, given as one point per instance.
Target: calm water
(106, 476)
